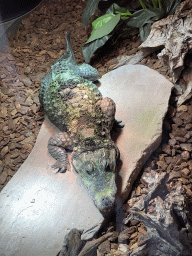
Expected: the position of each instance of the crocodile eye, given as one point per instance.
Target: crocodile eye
(89, 168)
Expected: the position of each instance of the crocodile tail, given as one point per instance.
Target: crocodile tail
(70, 51)
(68, 55)
(44, 84)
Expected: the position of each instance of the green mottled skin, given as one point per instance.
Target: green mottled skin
(61, 110)
(75, 105)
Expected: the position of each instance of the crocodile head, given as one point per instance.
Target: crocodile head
(97, 170)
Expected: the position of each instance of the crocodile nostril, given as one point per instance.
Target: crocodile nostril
(107, 202)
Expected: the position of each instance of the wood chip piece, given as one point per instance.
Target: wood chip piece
(3, 177)
(28, 140)
(4, 151)
(52, 54)
(4, 112)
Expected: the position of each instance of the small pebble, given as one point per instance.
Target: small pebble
(182, 108)
(185, 171)
(166, 148)
(114, 246)
(174, 175)
(186, 146)
(185, 116)
(123, 236)
(181, 139)
(5, 128)
(178, 121)
(172, 142)
(123, 248)
(188, 135)
(185, 155)
(134, 222)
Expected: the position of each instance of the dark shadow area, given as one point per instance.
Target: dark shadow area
(11, 9)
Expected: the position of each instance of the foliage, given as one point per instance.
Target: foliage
(90, 9)
(120, 21)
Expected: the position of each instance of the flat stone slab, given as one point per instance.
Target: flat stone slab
(141, 95)
(39, 207)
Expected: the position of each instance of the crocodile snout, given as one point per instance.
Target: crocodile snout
(105, 199)
(106, 203)
(97, 171)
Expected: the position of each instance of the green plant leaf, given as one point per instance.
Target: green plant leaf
(169, 6)
(141, 17)
(123, 11)
(110, 9)
(158, 14)
(117, 18)
(130, 31)
(146, 4)
(104, 26)
(159, 3)
(99, 22)
(90, 48)
(154, 2)
(142, 4)
(174, 6)
(90, 9)
(145, 31)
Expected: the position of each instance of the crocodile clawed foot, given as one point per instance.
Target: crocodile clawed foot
(117, 125)
(62, 168)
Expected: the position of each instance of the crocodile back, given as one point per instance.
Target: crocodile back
(69, 100)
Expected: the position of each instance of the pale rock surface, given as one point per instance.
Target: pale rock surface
(38, 207)
(141, 96)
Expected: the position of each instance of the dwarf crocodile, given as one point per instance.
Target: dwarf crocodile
(73, 103)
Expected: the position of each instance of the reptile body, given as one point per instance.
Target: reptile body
(74, 105)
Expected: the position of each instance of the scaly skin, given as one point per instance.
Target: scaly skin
(75, 105)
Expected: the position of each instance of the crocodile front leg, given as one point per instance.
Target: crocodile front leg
(57, 146)
(108, 108)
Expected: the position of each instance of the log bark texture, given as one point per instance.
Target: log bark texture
(174, 35)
